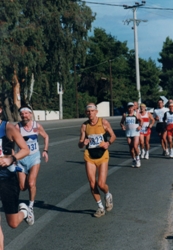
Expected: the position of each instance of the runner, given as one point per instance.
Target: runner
(136, 107)
(93, 135)
(145, 132)
(168, 118)
(161, 126)
(30, 130)
(132, 123)
(9, 186)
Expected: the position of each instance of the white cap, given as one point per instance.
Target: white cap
(130, 104)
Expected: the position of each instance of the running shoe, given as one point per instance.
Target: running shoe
(171, 153)
(138, 163)
(30, 215)
(167, 152)
(109, 203)
(164, 152)
(143, 154)
(99, 212)
(147, 155)
(133, 163)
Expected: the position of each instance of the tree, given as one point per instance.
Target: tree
(40, 40)
(166, 59)
(96, 78)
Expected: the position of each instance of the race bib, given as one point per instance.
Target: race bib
(33, 146)
(95, 141)
(144, 130)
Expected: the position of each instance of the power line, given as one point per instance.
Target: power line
(120, 5)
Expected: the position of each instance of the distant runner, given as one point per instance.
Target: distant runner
(161, 126)
(145, 132)
(132, 122)
(168, 118)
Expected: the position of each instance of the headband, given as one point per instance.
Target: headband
(25, 109)
(93, 107)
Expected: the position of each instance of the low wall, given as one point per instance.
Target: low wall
(45, 115)
(103, 109)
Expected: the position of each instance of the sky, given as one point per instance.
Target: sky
(151, 34)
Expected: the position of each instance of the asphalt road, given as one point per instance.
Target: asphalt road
(142, 217)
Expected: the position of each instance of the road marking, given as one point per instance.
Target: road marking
(22, 239)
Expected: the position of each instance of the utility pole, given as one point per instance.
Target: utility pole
(60, 93)
(136, 22)
(111, 106)
(76, 92)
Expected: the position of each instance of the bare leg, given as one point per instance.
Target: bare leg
(14, 220)
(22, 177)
(32, 178)
(91, 174)
(102, 176)
(147, 142)
(135, 144)
(1, 239)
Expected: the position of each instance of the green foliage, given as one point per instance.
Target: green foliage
(49, 39)
(166, 59)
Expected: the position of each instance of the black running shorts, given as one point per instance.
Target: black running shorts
(161, 127)
(9, 192)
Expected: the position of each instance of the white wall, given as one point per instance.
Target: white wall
(44, 115)
(103, 109)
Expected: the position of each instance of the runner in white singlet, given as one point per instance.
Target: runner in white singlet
(131, 122)
(30, 130)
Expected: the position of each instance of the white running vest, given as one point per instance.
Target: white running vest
(160, 113)
(131, 126)
(169, 118)
(146, 122)
(31, 137)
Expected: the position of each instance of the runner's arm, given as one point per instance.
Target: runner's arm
(165, 117)
(122, 122)
(14, 135)
(45, 136)
(83, 141)
(109, 129)
(152, 121)
(140, 121)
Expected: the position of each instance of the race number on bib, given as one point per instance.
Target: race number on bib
(95, 140)
(32, 146)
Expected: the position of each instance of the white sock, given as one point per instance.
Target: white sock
(24, 212)
(31, 204)
(137, 157)
(99, 203)
(107, 195)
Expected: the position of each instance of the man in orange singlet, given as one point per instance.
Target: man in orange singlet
(93, 135)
